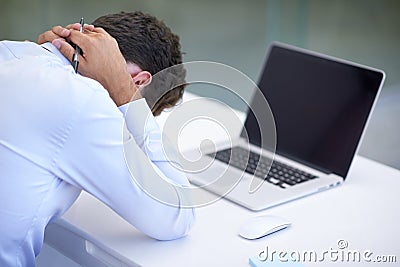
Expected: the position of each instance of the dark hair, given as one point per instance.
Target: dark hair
(149, 43)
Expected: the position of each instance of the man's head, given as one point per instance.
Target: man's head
(149, 47)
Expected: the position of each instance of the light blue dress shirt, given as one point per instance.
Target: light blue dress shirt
(61, 133)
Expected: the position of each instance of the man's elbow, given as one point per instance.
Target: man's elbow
(178, 227)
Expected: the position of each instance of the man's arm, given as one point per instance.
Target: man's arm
(97, 159)
(101, 59)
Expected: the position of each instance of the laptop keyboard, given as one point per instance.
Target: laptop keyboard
(280, 174)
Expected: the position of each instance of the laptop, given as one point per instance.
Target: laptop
(320, 107)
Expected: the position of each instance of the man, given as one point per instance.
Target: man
(135, 33)
(62, 132)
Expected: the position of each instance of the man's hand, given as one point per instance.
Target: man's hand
(101, 59)
(58, 32)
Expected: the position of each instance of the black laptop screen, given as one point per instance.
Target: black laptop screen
(320, 107)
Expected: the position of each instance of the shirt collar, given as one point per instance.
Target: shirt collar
(50, 47)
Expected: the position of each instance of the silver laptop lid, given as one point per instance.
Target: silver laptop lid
(320, 104)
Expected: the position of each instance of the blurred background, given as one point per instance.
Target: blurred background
(238, 32)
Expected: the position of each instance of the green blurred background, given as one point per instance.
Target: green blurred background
(238, 32)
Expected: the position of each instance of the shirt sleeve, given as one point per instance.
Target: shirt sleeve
(146, 132)
(118, 157)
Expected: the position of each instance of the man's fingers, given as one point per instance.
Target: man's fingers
(55, 33)
(61, 31)
(41, 38)
(48, 36)
(99, 30)
(88, 27)
(65, 48)
(74, 26)
(80, 39)
(77, 26)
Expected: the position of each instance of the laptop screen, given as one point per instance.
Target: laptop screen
(320, 106)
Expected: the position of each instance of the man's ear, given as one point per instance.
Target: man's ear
(142, 78)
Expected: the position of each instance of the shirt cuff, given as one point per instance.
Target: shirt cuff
(138, 118)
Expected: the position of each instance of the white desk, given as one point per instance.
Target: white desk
(364, 211)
